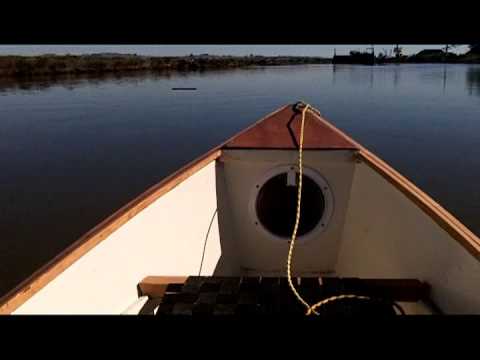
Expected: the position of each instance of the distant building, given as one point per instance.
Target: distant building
(204, 56)
(432, 56)
(355, 57)
(112, 55)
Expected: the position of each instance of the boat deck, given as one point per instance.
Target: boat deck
(266, 296)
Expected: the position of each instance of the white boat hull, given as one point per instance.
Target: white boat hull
(379, 226)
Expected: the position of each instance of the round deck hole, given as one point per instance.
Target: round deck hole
(276, 205)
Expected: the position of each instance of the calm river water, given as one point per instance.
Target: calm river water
(72, 151)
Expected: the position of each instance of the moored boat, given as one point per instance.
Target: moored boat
(226, 220)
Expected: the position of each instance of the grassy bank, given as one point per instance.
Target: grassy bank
(56, 65)
(20, 66)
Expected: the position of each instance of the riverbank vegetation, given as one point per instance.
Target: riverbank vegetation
(20, 66)
(96, 64)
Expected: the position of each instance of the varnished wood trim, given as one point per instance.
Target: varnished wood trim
(62, 261)
(434, 210)
(280, 131)
(26, 289)
(290, 149)
(319, 117)
(155, 286)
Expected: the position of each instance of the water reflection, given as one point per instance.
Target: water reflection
(473, 80)
(444, 78)
(71, 82)
(334, 71)
(396, 75)
(357, 74)
(354, 74)
(371, 77)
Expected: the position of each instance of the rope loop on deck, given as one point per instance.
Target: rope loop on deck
(311, 309)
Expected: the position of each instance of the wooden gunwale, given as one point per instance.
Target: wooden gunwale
(25, 290)
(44, 275)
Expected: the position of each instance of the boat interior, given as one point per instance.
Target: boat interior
(230, 214)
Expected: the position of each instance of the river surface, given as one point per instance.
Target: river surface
(74, 150)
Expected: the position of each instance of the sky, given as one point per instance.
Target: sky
(179, 50)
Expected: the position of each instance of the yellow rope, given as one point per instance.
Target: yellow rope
(297, 220)
(310, 308)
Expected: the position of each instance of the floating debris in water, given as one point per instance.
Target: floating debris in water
(184, 88)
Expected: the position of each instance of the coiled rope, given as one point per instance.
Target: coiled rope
(310, 308)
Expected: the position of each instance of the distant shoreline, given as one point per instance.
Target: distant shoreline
(25, 66)
(15, 66)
